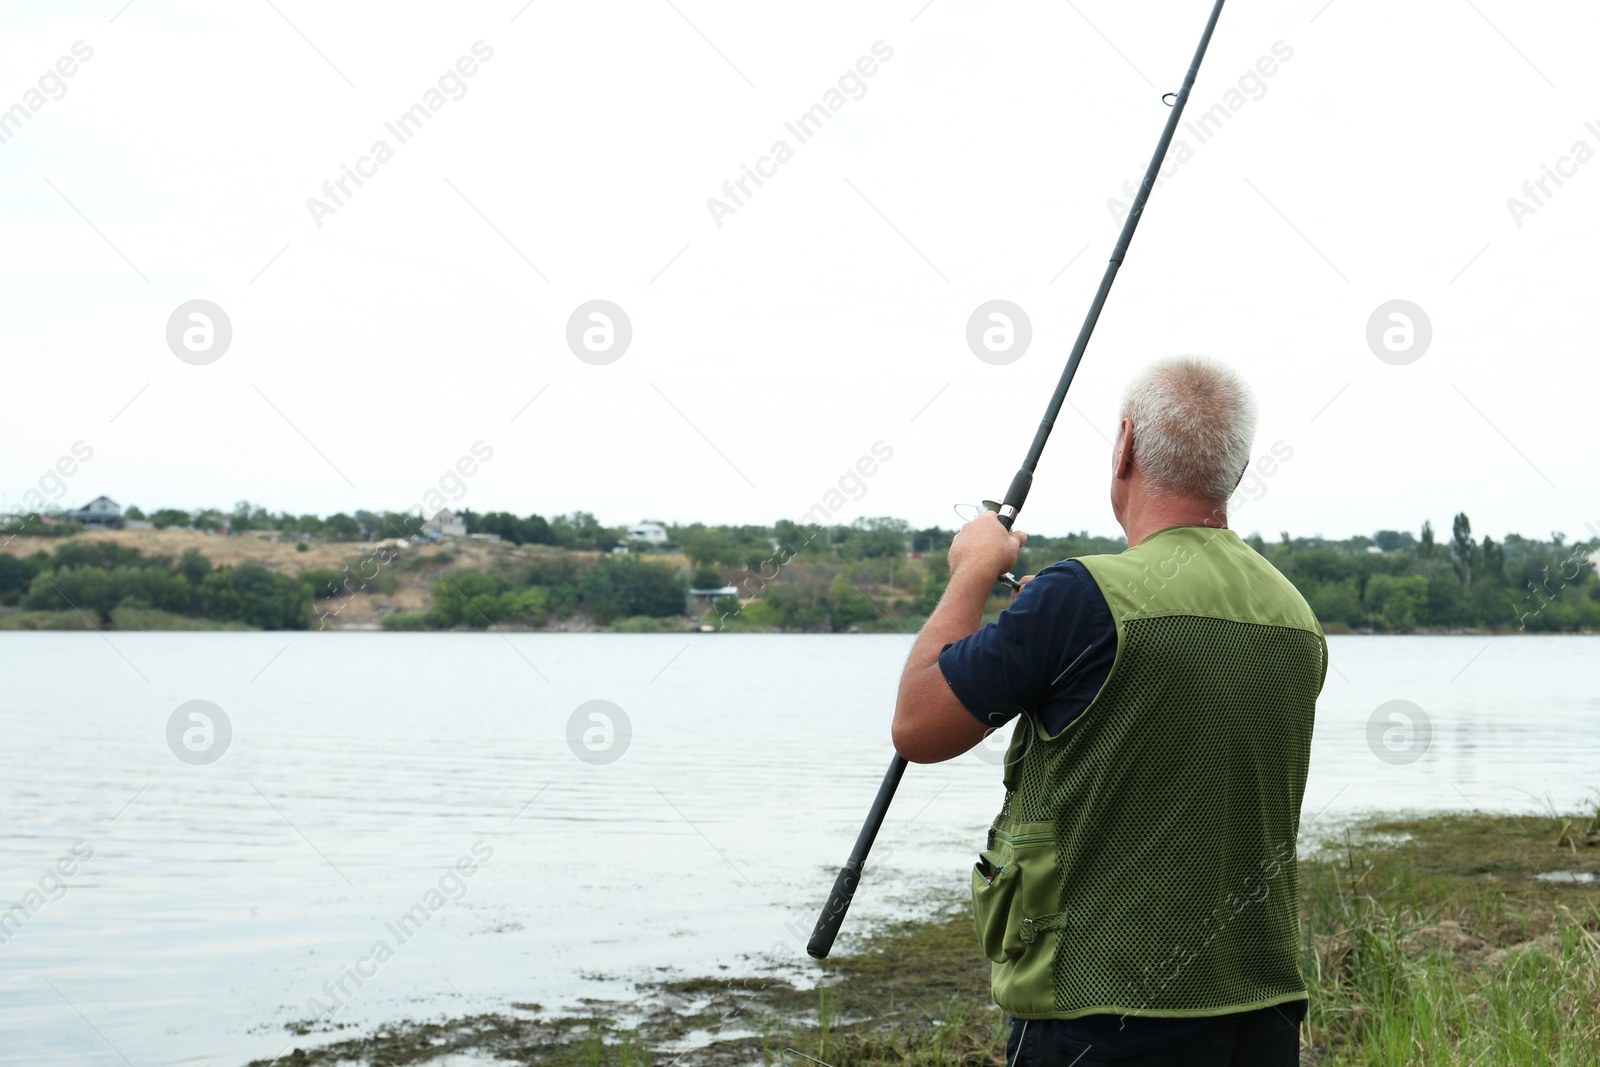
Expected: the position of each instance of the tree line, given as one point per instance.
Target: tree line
(87, 583)
(875, 574)
(1419, 582)
(579, 530)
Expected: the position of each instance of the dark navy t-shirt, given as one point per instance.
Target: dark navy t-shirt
(1050, 651)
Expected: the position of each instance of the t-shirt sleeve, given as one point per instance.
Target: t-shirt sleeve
(1019, 660)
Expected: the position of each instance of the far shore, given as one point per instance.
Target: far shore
(172, 579)
(15, 620)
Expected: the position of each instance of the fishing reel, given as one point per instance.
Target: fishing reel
(966, 513)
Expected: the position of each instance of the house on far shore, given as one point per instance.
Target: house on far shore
(101, 511)
(647, 533)
(710, 596)
(444, 524)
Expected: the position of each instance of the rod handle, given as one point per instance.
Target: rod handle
(844, 887)
(832, 917)
(1016, 496)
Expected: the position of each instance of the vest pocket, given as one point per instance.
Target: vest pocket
(1013, 880)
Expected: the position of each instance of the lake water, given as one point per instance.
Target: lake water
(209, 903)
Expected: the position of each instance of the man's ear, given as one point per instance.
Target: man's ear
(1239, 479)
(1122, 452)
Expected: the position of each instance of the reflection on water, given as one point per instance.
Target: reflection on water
(209, 904)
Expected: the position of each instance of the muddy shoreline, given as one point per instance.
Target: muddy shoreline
(1447, 936)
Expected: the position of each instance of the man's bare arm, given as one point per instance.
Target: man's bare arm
(930, 723)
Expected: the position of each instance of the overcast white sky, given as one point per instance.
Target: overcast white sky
(830, 311)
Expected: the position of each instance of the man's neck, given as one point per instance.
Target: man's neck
(1158, 513)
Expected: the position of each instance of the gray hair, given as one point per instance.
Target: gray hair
(1193, 423)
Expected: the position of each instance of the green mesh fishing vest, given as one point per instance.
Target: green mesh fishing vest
(1144, 860)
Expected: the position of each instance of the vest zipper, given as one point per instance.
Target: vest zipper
(1022, 839)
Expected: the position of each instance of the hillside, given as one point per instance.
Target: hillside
(402, 584)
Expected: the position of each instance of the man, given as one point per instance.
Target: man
(1138, 897)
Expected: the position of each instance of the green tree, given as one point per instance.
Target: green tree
(620, 586)
(85, 589)
(795, 540)
(533, 530)
(1494, 560)
(527, 606)
(341, 527)
(1447, 601)
(246, 516)
(875, 538)
(193, 566)
(847, 604)
(107, 554)
(799, 602)
(582, 530)
(932, 539)
(251, 594)
(704, 546)
(323, 582)
(1338, 602)
(1465, 549)
(1492, 603)
(466, 595)
(306, 524)
(1394, 540)
(15, 574)
(1398, 603)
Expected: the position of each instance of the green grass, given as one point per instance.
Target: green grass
(1425, 942)
(126, 617)
(123, 617)
(1432, 943)
(50, 620)
(644, 624)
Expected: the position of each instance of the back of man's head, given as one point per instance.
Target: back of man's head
(1193, 423)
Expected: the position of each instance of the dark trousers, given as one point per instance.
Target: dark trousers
(1269, 1037)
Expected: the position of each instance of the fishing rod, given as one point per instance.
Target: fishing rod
(844, 887)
